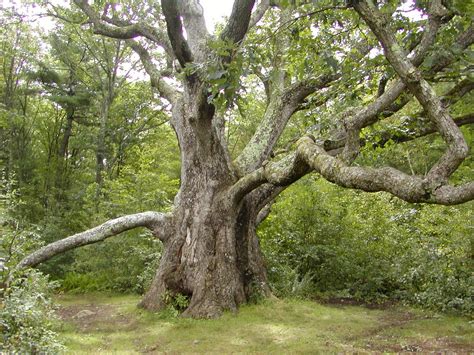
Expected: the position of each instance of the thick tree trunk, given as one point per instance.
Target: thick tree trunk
(211, 254)
(211, 251)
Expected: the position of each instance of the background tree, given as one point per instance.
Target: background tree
(210, 248)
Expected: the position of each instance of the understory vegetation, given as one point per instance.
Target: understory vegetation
(321, 241)
(372, 249)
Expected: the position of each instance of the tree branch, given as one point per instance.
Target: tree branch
(400, 137)
(150, 220)
(385, 105)
(410, 188)
(369, 114)
(175, 32)
(457, 148)
(196, 30)
(311, 157)
(148, 32)
(279, 111)
(156, 76)
(121, 29)
(238, 23)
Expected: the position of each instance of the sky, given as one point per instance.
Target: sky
(214, 11)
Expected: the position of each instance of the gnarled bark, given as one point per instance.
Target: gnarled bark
(211, 252)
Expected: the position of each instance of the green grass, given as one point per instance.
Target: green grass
(277, 326)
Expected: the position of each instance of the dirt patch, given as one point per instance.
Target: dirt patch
(95, 317)
(377, 341)
(442, 345)
(347, 301)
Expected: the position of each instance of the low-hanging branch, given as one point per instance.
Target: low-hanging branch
(151, 220)
(410, 188)
(311, 157)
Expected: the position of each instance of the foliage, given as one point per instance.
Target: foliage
(26, 315)
(52, 145)
(175, 304)
(26, 308)
(128, 262)
(124, 264)
(369, 247)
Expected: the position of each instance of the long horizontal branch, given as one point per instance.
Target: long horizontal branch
(150, 220)
(410, 188)
(311, 157)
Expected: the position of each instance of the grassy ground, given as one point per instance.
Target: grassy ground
(100, 323)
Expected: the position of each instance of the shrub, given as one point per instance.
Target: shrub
(26, 316)
(371, 247)
(125, 263)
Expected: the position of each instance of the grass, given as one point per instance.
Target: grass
(112, 324)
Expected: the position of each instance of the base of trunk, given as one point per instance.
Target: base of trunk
(217, 263)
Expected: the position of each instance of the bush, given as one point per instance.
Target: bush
(26, 315)
(371, 247)
(26, 310)
(125, 263)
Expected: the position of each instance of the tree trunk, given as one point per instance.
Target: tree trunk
(211, 251)
(211, 254)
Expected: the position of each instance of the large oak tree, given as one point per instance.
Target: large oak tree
(210, 248)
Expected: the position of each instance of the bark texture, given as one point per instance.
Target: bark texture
(211, 251)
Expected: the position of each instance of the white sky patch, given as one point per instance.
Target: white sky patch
(408, 9)
(214, 11)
